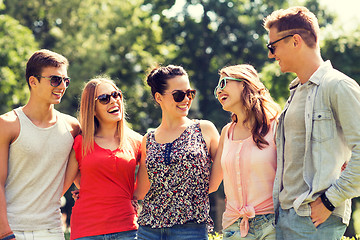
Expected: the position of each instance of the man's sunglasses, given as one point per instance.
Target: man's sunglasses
(105, 98)
(55, 81)
(222, 83)
(179, 95)
(272, 48)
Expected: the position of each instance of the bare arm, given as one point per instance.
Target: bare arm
(9, 128)
(211, 136)
(72, 171)
(142, 180)
(216, 176)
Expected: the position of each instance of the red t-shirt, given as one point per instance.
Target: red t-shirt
(106, 189)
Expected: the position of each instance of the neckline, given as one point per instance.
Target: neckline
(176, 139)
(106, 149)
(20, 111)
(230, 134)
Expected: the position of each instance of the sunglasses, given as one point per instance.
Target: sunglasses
(105, 98)
(55, 81)
(179, 95)
(222, 83)
(272, 48)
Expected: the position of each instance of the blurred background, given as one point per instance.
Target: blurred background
(124, 38)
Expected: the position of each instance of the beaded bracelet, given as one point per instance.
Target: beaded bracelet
(12, 236)
(327, 202)
(6, 234)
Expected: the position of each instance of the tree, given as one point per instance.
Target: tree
(117, 38)
(16, 45)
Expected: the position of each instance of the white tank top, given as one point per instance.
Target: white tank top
(37, 164)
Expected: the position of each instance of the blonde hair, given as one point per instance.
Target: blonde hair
(259, 107)
(87, 118)
(295, 20)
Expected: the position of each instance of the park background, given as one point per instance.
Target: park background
(124, 38)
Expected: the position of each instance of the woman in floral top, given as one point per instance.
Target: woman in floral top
(175, 165)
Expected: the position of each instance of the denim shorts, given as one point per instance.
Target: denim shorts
(187, 231)
(292, 226)
(126, 235)
(260, 227)
(53, 234)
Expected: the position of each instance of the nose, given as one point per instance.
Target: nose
(217, 92)
(270, 55)
(62, 84)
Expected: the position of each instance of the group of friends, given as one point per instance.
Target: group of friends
(287, 174)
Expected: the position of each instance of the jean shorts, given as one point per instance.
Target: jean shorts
(187, 231)
(126, 235)
(260, 227)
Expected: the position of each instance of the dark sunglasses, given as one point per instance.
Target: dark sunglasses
(105, 98)
(55, 81)
(222, 83)
(179, 95)
(272, 48)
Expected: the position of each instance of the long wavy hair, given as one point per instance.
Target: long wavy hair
(259, 107)
(87, 118)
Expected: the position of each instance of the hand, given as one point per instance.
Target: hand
(319, 213)
(75, 194)
(135, 205)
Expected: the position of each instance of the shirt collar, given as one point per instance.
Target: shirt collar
(317, 75)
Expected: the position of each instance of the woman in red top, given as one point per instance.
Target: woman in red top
(104, 158)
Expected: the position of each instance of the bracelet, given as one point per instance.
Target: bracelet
(12, 236)
(5, 234)
(327, 202)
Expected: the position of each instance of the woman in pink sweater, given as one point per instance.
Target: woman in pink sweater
(246, 157)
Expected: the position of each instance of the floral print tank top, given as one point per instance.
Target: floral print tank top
(179, 174)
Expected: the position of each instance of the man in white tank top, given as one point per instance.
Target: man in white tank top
(35, 142)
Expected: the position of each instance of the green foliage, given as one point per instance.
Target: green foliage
(344, 52)
(16, 45)
(124, 38)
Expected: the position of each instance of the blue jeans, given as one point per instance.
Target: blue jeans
(126, 235)
(186, 231)
(260, 227)
(292, 226)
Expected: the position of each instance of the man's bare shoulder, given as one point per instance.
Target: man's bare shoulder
(73, 124)
(9, 126)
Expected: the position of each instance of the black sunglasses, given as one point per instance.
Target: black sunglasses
(55, 81)
(105, 98)
(179, 95)
(272, 48)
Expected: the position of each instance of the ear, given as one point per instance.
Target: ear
(297, 40)
(158, 97)
(33, 81)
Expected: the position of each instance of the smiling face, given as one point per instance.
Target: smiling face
(230, 96)
(41, 87)
(112, 111)
(166, 100)
(283, 52)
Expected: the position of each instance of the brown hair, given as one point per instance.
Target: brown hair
(41, 59)
(259, 107)
(88, 120)
(295, 20)
(158, 77)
